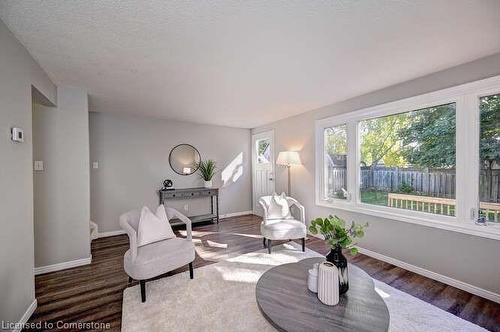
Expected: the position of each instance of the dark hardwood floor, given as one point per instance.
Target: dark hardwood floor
(94, 292)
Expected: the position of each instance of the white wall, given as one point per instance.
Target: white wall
(62, 189)
(133, 162)
(18, 72)
(463, 257)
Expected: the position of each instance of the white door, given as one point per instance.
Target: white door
(263, 167)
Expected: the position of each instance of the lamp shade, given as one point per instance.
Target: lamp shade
(288, 158)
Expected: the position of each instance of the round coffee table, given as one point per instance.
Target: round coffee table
(286, 302)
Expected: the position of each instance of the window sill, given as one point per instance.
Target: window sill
(436, 221)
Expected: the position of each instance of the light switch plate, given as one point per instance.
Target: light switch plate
(38, 166)
(95, 165)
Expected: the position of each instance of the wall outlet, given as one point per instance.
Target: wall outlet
(17, 135)
(186, 207)
(38, 165)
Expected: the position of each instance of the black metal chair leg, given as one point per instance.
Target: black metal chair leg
(143, 290)
(269, 245)
(264, 242)
(191, 273)
(304, 244)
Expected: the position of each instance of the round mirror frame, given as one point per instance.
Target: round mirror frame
(170, 159)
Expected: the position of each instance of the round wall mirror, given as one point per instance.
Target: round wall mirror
(184, 159)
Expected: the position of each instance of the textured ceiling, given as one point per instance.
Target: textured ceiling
(246, 63)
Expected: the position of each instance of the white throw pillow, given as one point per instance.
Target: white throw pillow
(153, 228)
(278, 207)
(162, 214)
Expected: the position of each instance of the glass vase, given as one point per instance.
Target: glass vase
(336, 257)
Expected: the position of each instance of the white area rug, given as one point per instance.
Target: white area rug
(221, 297)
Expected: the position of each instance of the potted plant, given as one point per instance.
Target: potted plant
(207, 169)
(339, 236)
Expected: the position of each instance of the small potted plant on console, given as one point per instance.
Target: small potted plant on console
(207, 169)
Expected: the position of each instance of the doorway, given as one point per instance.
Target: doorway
(263, 183)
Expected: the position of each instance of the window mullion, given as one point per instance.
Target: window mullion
(352, 161)
(467, 160)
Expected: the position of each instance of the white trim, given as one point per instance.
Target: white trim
(63, 265)
(235, 214)
(466, 98)
(435, 276)
(440, 222)
(26, 316)
(111, 233)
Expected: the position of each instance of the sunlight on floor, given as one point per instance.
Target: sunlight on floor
(291, 253)
(249, 267)
(265, 259)
(255, 236)
(198, 234)
(195, 233)
(216, 245)
(230, 273)
(197, 241)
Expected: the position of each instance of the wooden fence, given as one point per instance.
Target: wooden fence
(433, 182)
(439, 183)
(337, 179)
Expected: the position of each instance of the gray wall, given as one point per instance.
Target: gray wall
(133, 162)
(18, 72)
(463, 257)
(62, 190)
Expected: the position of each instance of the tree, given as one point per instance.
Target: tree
(380, 140)
(422, 138)
(429, 139)
(336, 140)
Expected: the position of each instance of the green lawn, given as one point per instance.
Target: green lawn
(374, 197)
(380, 198)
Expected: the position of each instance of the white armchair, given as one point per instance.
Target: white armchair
(285, 227)
(154, 259)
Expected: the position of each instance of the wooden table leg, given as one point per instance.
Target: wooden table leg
(217, 200)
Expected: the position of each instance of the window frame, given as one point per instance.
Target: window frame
(321, 176)
(466, 98)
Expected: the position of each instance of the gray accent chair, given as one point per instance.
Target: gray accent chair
(285, 228)
(154, 259)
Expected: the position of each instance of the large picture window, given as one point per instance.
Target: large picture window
(408, 160)
(489, 158)
(432, 159)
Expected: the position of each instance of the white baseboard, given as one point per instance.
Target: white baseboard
(63, 265)
(235, 214)
(26, 316)
(435, 276)
(111, 233)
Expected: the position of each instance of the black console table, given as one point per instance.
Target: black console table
(189, 193)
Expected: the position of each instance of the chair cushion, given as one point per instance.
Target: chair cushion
(153, 227)
(278, 207)
(158, 258)
(283, 229)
